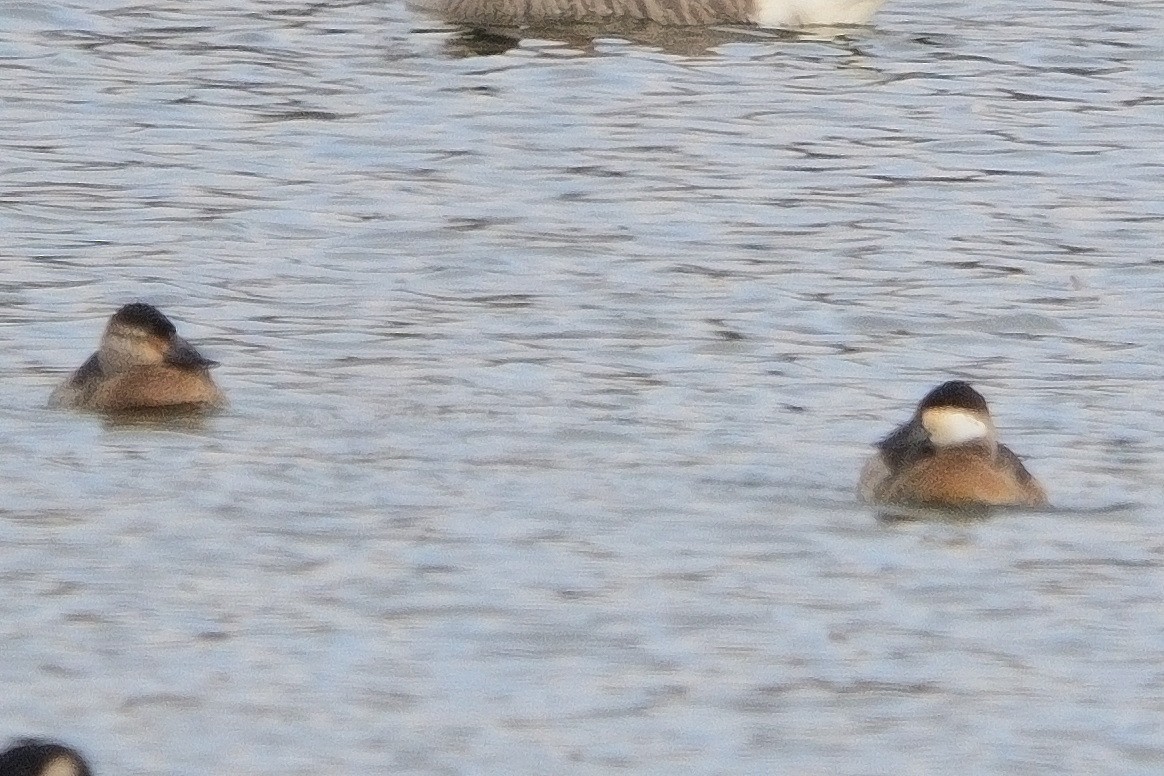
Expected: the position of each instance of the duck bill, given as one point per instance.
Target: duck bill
(184, 355)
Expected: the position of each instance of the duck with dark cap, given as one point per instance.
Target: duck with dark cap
(948, 455)
(140, 364)
(31, 757)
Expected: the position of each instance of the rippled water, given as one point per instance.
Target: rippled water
(552, 365)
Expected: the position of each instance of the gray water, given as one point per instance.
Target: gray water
(551, 372)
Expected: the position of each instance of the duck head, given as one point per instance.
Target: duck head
(140, 335)
(955, 414)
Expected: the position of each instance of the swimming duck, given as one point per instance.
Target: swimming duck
(31, 757)
(948, 455)
(141, 363)
(784, 14)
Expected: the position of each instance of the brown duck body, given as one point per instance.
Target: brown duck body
(956, 477)
(145, 387)
(948, 455)
(141, 364)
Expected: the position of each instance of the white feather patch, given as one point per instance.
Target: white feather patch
(948, 426)
(800, 13)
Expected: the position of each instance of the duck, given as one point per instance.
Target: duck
(780, 14)
(140, 364)
(948, 455)
(34, 757)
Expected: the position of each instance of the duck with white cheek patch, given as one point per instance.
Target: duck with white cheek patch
(948, 455)
(32, 757)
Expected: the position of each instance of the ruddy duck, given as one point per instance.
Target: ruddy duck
(948, 455)
(141, 363)
(42, 758)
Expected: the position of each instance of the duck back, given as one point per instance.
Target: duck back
(514, 12)
(771, 13)
(963, 477)
(150, 387)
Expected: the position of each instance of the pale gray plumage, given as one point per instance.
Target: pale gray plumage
(773, 13)
(508, 12)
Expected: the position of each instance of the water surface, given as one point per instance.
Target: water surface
(552, 370)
